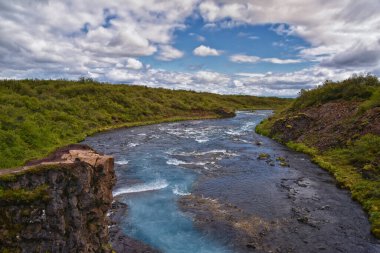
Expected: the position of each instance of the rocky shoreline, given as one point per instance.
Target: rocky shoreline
(314, 217)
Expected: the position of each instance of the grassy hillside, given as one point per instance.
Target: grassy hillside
(338, 124)
(38, 116)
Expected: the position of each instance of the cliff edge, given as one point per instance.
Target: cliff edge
(57, 204)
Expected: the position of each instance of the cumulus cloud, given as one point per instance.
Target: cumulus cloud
(76, 38)
(356, 56)
(134, 64)
(333, 28)
(242, 58)
(206, 51)
(168, 53)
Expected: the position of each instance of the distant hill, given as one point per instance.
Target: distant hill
(37, 116)
(338, 124)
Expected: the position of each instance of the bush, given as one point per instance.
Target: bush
(357, 88)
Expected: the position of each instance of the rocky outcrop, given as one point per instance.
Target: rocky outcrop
(225, 113)
(326, 126)
(58, 204)
(291, 127)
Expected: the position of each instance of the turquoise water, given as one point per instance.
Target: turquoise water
(158, 164)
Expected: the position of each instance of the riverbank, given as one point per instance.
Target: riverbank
(338, 125)
(39, 116)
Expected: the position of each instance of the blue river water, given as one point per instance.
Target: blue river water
(158, 164)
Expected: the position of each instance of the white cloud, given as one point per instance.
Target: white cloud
(124, 75)
(134, 64)
(206, 51)
(75, 38)
(210, 77)
(242, 58)
(210, 26)
(333, 28)
(168, 53)
(260, 84)
(280, 61)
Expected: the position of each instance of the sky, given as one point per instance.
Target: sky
(253, 47)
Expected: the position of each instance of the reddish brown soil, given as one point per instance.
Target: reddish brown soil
(329, 125)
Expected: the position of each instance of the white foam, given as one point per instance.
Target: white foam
(178, 191)
(234, 132)
(248, 126)
(201, 139)
(151, 186)
(206, 168)
(173, 161)
(131, 145)
(122, 162)
(194, 153)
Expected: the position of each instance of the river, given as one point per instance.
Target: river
(216, 186)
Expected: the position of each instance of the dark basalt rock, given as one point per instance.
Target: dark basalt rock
(69, 214)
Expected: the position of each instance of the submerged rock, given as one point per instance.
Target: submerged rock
(263, 156)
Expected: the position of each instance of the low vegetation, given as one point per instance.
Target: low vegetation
(22, 196)
(357, 88)
(37, 116)
(354, 159)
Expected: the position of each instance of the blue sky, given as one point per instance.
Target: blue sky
(257, 40)
(256, 47)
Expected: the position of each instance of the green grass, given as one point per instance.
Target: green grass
(22, 196)
(300, 147)
(357, 88)
(37, 116)
(263, 128)
(364, 190)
